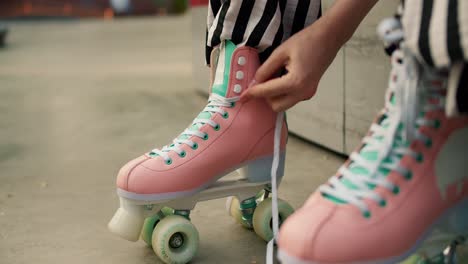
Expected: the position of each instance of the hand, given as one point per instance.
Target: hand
(306, 56)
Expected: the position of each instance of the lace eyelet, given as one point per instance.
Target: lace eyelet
(183, 154)
(205, 137)
(428, 143)
(396, 190)
(367, 214)
(437, 124)
(226, 115)
(217, 127)
(233, 104)
(195, 146)
(169, 162)
(408, 176)
(383, 203)
(420, 158)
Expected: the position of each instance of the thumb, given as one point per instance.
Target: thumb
(271, 66)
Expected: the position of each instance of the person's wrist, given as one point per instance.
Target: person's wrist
(329, 35)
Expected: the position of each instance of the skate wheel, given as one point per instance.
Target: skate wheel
(150, 224)
(413, 259)
(233, 209)
(175, 240)
(148, 227)
(262, 218)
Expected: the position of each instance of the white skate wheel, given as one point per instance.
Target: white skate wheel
(175, 240)
(262, 218)
(228, 204)
(150, 224)
(233, 209)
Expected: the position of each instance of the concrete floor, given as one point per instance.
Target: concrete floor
(80, 98)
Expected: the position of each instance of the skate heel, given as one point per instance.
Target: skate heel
(259, 170)
(127, 221)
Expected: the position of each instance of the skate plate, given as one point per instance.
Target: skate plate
(128, 220)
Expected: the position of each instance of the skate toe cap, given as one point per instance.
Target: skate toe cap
(325, 232)
(124, 173)
(299, 233)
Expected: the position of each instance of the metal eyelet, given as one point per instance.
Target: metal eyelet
(408, 176)
(367, 214)
(420, 158)
(383, 203)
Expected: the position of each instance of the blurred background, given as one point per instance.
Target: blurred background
(89, 8)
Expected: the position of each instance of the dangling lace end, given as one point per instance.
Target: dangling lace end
(270, 251)
(274, 186)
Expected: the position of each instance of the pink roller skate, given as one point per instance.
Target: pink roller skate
(383, 214)
(227, 135)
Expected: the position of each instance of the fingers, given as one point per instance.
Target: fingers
(271, 88)
(271, 66)
(283, 102)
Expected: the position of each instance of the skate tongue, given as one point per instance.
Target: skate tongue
(223, 69)
(195, 127)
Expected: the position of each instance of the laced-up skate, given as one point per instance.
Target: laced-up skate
(383, 214)
(158, 189)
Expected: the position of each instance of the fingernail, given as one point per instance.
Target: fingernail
(252, 83)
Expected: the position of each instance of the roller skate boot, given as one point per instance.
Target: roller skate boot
(158, 190)
(386, 215)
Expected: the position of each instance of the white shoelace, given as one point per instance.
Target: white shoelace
(215, 104)
(380, 141)
(274, 187)
(365, 184)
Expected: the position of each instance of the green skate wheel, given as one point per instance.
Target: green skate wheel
(150, 224)
(148, 227)
(175, 240)
(233, 209)
(262, 218)
(413, 259)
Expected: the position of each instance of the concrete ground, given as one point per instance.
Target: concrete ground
(80, 98)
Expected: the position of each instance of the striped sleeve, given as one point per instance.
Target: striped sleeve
(261, 24)
(436, 31)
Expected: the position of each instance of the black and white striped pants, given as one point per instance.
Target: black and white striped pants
(436, 32)
(261, 24)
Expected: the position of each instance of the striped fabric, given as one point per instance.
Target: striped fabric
(436, 32)
(262, 24)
